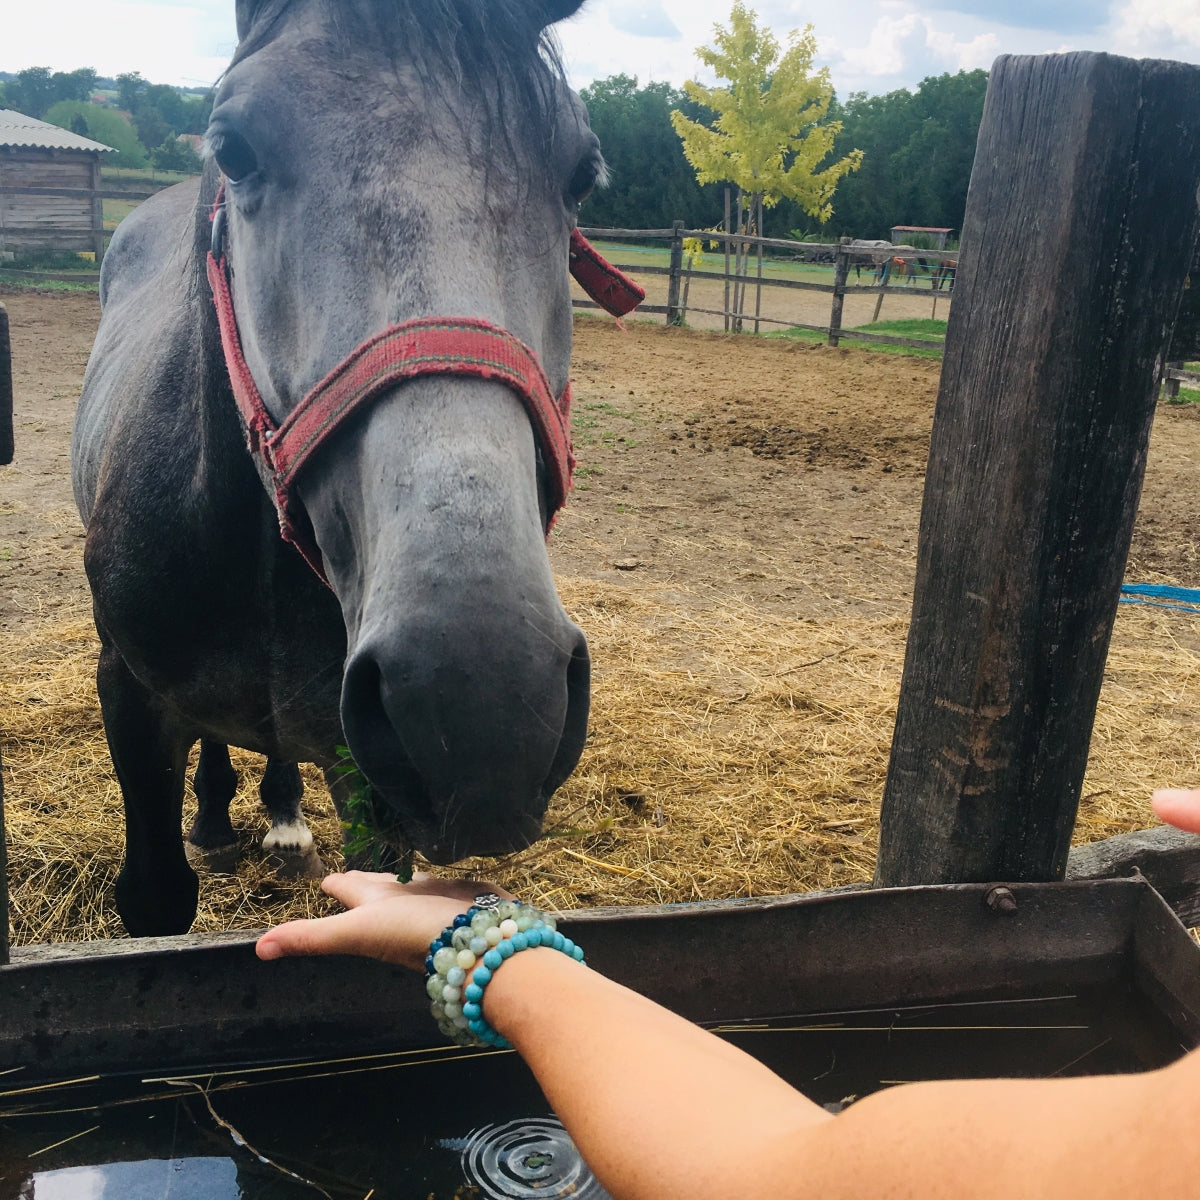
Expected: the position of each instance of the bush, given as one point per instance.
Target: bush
(176, 155)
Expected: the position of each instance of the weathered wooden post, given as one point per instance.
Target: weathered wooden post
(6, 456)
(841, 272)
(1080, 225)
(675, 278)
(6, 396)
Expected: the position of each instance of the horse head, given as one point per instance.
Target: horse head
(384, 163)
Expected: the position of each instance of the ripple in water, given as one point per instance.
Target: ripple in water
(527, 1160)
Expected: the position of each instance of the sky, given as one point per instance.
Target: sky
(870, 46)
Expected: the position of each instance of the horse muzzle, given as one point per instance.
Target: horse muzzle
(465, 749)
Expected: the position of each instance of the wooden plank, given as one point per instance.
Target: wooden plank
(1082, 198)
(641, 308)
(104, 193)
(1168, 858)
(628, 234)
(39, 234)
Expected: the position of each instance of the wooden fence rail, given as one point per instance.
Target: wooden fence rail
(841, 256)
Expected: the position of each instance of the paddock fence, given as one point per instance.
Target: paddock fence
(753, 267)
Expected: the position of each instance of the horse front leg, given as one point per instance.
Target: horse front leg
(289, 842)
(156, 890)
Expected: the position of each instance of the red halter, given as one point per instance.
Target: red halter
(425, 346)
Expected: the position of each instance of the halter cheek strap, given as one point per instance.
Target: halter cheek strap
(426, 346)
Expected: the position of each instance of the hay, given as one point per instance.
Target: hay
(733, 752)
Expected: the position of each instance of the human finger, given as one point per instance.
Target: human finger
(354, 888)
(1179, 807)
(343, 933)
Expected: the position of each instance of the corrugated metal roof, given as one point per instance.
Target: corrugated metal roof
(16, 129)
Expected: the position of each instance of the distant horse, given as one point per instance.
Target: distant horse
(368, 288)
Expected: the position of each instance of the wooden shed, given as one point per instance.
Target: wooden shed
(49, 187)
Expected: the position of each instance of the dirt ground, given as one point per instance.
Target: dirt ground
(759, 493)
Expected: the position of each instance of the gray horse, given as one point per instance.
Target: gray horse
(372, 163)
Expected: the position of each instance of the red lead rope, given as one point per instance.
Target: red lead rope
(426, 346)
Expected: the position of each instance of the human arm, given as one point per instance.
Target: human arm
(660, 1109)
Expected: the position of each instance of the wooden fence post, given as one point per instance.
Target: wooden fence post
(841, 271)
(673, 314)
(6, 395)
(728, 231)
(1080, 224)
(6, 456)
(1170, 383)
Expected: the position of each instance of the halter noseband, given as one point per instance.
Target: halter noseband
(425, 346)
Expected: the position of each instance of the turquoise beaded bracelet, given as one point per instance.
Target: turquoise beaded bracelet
(465, 955)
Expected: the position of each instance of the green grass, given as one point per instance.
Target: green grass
(116, 210)
(29, 279)
(915, 327)
(131, 177)
(1186, 396)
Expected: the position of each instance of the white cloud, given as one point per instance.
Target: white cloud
(910, 46)
(1163, 28)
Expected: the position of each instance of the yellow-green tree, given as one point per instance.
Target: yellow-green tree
(769, 135)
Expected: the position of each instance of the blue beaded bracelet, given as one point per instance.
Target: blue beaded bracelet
(465, 955)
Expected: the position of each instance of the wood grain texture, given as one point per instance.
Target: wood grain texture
(1081, 220)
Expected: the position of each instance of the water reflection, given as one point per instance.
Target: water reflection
(150, 1179)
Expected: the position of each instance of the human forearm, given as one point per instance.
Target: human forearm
(658, 1107)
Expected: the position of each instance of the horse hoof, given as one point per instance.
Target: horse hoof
(216, 860)
(305, 864)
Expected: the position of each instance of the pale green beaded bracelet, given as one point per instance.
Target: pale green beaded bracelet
(464, 956)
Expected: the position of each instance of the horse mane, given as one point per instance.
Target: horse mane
(496, 47)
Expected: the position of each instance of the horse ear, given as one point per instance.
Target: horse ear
(555, 10)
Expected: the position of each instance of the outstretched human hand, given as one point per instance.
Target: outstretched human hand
(1179, 807)
(391, 921)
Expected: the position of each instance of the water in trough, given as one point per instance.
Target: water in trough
(448, 1125)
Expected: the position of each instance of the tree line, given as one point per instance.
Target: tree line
(918, 148)
(142, 121)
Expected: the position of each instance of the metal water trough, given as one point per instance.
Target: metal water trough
(206, 1003)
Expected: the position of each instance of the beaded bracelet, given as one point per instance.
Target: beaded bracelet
(464, 956)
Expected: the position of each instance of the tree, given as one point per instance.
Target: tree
(73, 85)
(770, 133)
(104, 125)
(130, 89)
(176, 155)
(650, 182)
(919, 147)
(32, 92)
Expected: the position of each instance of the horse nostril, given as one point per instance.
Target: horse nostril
(574, 733)
(373, 740)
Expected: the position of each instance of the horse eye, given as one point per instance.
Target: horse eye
(234, 155)
(587, 174)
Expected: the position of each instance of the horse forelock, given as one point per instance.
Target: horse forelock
(496, 48)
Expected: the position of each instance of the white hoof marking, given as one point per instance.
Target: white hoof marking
(292, 838)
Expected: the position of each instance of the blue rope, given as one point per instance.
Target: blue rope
(1135, 593)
